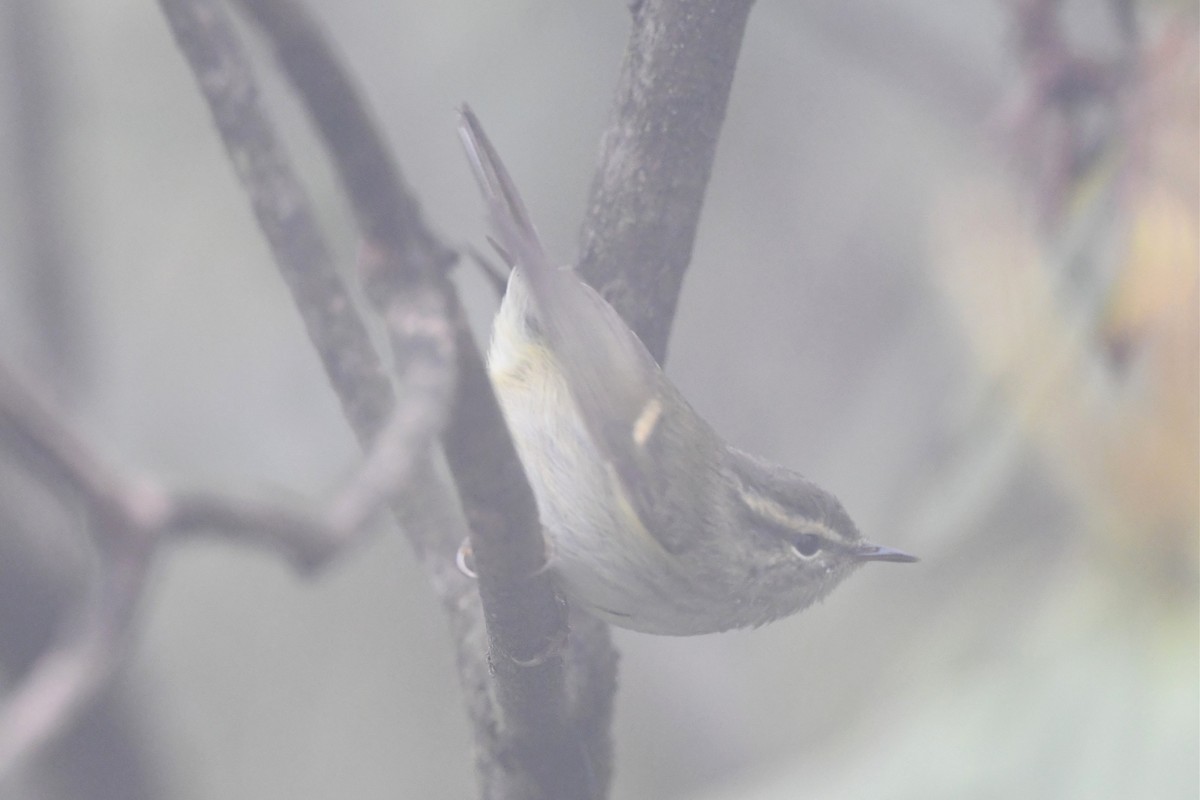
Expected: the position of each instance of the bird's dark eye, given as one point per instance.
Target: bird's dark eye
(807, 545)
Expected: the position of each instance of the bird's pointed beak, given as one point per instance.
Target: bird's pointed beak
(874, 552)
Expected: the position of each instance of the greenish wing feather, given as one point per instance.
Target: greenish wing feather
(662, 452)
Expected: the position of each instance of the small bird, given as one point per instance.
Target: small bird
(653, 522)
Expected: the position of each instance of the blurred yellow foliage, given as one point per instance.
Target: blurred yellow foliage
(1091, 330)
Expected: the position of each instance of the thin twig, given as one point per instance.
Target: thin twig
(129, 519)
(61, 682)
(422, 340)
(423, 347)
(37, 435)
(388, 216)
(123, 517)
(208, 40)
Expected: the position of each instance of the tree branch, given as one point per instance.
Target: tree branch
(400, 257)
(387, 214)
(61, 681)
(656, 157)
(284, 213)
(130, 519)
(645, 200)
(53, 297)
(541, 708)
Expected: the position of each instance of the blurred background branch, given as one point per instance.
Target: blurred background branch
(53, 290)
(129, 519)
(43, 574)
(1098, 362)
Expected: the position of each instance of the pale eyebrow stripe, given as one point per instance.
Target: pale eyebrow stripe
(773, 512)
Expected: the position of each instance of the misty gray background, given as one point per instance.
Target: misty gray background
(809, 331)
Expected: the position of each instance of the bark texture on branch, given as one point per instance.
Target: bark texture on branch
(656, 157)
